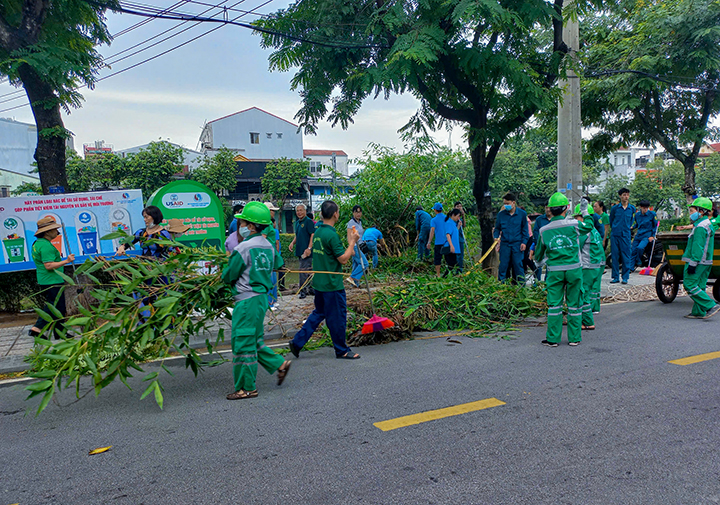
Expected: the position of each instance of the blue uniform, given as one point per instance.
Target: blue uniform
(646, 225)
(371, 237)
(451, 229)
(461, 252)
(422, 225)
(598, 225)
(514, 231)
(438, 222)
(621, 222)
(540, 221)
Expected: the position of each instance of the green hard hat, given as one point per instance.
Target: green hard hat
(558, 200)
(702, 202)
(577, 210)
(255, 212)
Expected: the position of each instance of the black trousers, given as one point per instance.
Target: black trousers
(51, 299)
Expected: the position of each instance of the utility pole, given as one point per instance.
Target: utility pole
(334, 166)
(569, 125)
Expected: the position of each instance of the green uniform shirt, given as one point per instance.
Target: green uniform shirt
(303, 229)
(701, 243)
(592, 253)
(44, 252)
(560, 242)
(327, 248)
(604, 218)
(250, 267)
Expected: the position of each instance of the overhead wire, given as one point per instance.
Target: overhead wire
(218, 6)
(160, 54)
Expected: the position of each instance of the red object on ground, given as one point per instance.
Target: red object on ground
(377, 323)
(646, 271)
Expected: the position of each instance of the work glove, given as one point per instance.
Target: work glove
(584, 207)
(691, 269)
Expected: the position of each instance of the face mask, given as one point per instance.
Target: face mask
(694, 216)
(508, 207)
(244, 232)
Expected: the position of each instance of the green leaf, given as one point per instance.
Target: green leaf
(149, 389)
(40, 386)
(158, 395)
(46, 399)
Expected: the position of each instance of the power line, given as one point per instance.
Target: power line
(157, 55)
(181, 17)
(158, 35)
(146, 21)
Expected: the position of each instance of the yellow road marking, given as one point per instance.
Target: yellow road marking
(432, 415)
(695, 359)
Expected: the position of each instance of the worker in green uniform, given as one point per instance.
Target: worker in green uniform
(559, 246)
(698, 258)
(592, 259)
(249, 272)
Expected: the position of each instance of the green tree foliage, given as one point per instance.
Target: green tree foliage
(27, 187)
(486, 65)
(708, 177)
(659, 70)
(113, 338)
(527, 167)
(391, 185)
(48, 47)
(219, 172)
(103, 171)
(283, 178)
(153, 167)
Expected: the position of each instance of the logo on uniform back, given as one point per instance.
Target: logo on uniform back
(559, 242)
(261, 262)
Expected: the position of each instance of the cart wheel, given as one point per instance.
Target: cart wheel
(716, 290)
(666, 284)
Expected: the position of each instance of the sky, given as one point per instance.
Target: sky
(171, 97)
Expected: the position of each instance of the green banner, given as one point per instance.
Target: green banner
(198, 207)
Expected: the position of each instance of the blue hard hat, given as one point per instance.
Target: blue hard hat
(437, 206)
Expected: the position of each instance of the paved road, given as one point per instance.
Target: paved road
(610, 421)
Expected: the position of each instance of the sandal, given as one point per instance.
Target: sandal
(242, 394)
(282, 372)
(349, 355)
(588, 327)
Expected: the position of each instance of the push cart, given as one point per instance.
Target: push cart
(670, 274)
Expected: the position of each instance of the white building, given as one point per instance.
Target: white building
(254, 134)
(321, 161)
(191, 159)
(17, 146)
(626, 161)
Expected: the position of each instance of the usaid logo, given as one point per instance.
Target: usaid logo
(186, 200)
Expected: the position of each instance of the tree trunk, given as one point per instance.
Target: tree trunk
(482, 165)
(689, 186)
(50, 151)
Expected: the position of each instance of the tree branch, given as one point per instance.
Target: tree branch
(462, 115)
(472, 93)
(28, 32)
(663, 139)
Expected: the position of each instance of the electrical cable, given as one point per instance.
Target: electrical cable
(156, 36)
(146, 21)
(156, 56)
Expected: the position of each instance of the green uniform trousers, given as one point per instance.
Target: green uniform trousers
(565, 285)
(596, 290)
(248, 345)
(695, 285)
(590, 294)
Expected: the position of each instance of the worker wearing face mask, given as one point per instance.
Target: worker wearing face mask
(698, 258)
(512, 229)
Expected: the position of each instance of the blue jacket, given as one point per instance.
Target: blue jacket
(514, 228)
(646, 225)
(422, 220)
(451, 229)
(438, 222)
(598, 225)
(621, 220)
(372, 234)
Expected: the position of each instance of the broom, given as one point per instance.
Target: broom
(647, 270)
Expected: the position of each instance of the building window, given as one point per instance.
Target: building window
(4, 191)
(254, 138)
(315, 167)
(269, 135)
(279, 135)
